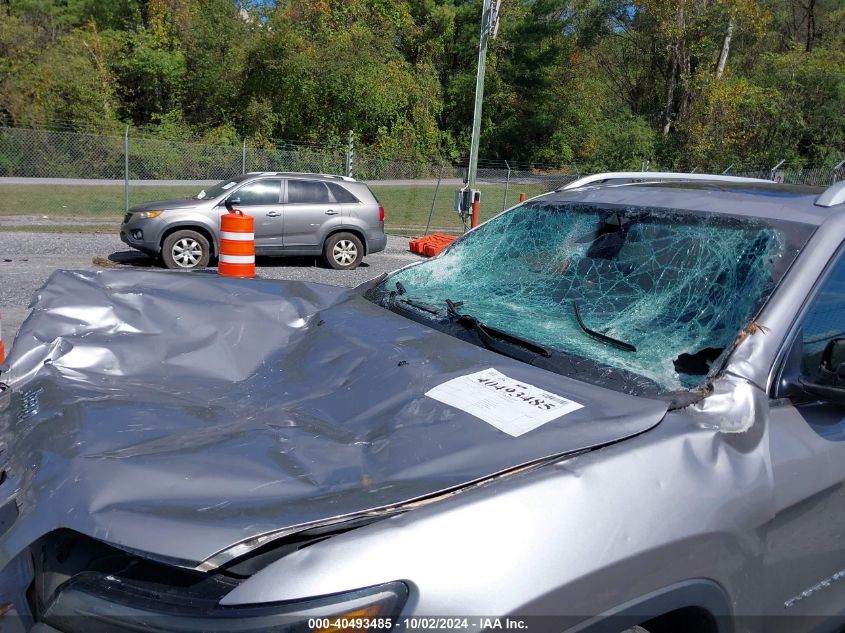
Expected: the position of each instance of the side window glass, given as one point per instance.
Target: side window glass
(825, 319)
(307, 192)
(260, 192)
(341, 194)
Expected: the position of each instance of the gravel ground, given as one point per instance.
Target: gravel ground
(27, 259)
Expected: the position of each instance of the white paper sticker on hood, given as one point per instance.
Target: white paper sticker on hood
(511, 406)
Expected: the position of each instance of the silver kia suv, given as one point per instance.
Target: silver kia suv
(295, 214)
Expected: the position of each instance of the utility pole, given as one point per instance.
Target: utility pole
(489, 26)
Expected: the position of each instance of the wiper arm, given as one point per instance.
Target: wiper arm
(604, 338)
(452, 308)
(489, 335)
(421, 306)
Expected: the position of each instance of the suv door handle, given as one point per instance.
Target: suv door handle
(331, 212)
(273, 214)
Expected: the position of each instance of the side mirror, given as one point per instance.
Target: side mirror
(829, 382)
(230, 201)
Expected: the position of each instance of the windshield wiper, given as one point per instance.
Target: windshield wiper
(392, 301)
(604, 338)
(421, 306)
(489, 335)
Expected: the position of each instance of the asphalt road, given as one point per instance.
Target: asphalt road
(28, 259)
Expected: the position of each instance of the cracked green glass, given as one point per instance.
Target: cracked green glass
(671, 284)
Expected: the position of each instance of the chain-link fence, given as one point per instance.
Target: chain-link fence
(78, 178)
(810, 176)
(81, 179)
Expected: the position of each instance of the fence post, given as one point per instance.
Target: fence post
(434, 200)
(243, 158)
(126, 170)
(350, 148)
(507, 185)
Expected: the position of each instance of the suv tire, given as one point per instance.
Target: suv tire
(185, 250)
(343, 251)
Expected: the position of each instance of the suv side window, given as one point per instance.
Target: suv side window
(341, 194)
(307, 192)
(260, 192)
(825, 320)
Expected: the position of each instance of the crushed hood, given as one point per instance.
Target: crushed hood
(183, 414)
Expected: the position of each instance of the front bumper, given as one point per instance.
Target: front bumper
(142, 236)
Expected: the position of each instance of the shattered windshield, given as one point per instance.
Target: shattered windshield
(655, 293)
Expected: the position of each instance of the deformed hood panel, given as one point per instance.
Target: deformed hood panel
(181, 414)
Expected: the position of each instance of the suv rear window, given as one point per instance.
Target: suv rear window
(307, 191)
(341, 194)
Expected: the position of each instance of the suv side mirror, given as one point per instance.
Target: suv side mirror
(829, 382)
(231, 200)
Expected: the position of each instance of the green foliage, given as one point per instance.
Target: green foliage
(326, 68)
(600, 83)
(64, 80)
(622, 144)
(736, 121)
(214, 55)
(169, 126)
(149, 76)
(259, 122)
(811, 96)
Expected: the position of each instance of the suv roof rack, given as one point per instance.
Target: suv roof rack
(651, 176)
(832, 196)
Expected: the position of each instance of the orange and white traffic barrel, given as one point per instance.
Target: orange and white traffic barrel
(237, 245)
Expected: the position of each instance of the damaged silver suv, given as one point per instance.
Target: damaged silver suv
(609, 407)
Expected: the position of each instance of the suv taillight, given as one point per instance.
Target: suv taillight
(381, 214)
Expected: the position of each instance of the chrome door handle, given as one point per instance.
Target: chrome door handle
(331, 212)
(273, 214)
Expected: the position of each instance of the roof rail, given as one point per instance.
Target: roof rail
(832, 196)
(308, 173)
(651, 176)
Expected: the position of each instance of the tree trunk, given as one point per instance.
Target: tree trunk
(726, 47)
(675, 67)
(670, 91)
(811, 24)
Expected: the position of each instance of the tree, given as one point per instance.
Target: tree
(603, 83)
(213, 46)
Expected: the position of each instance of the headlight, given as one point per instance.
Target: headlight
(146, 215)
(96, 603)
